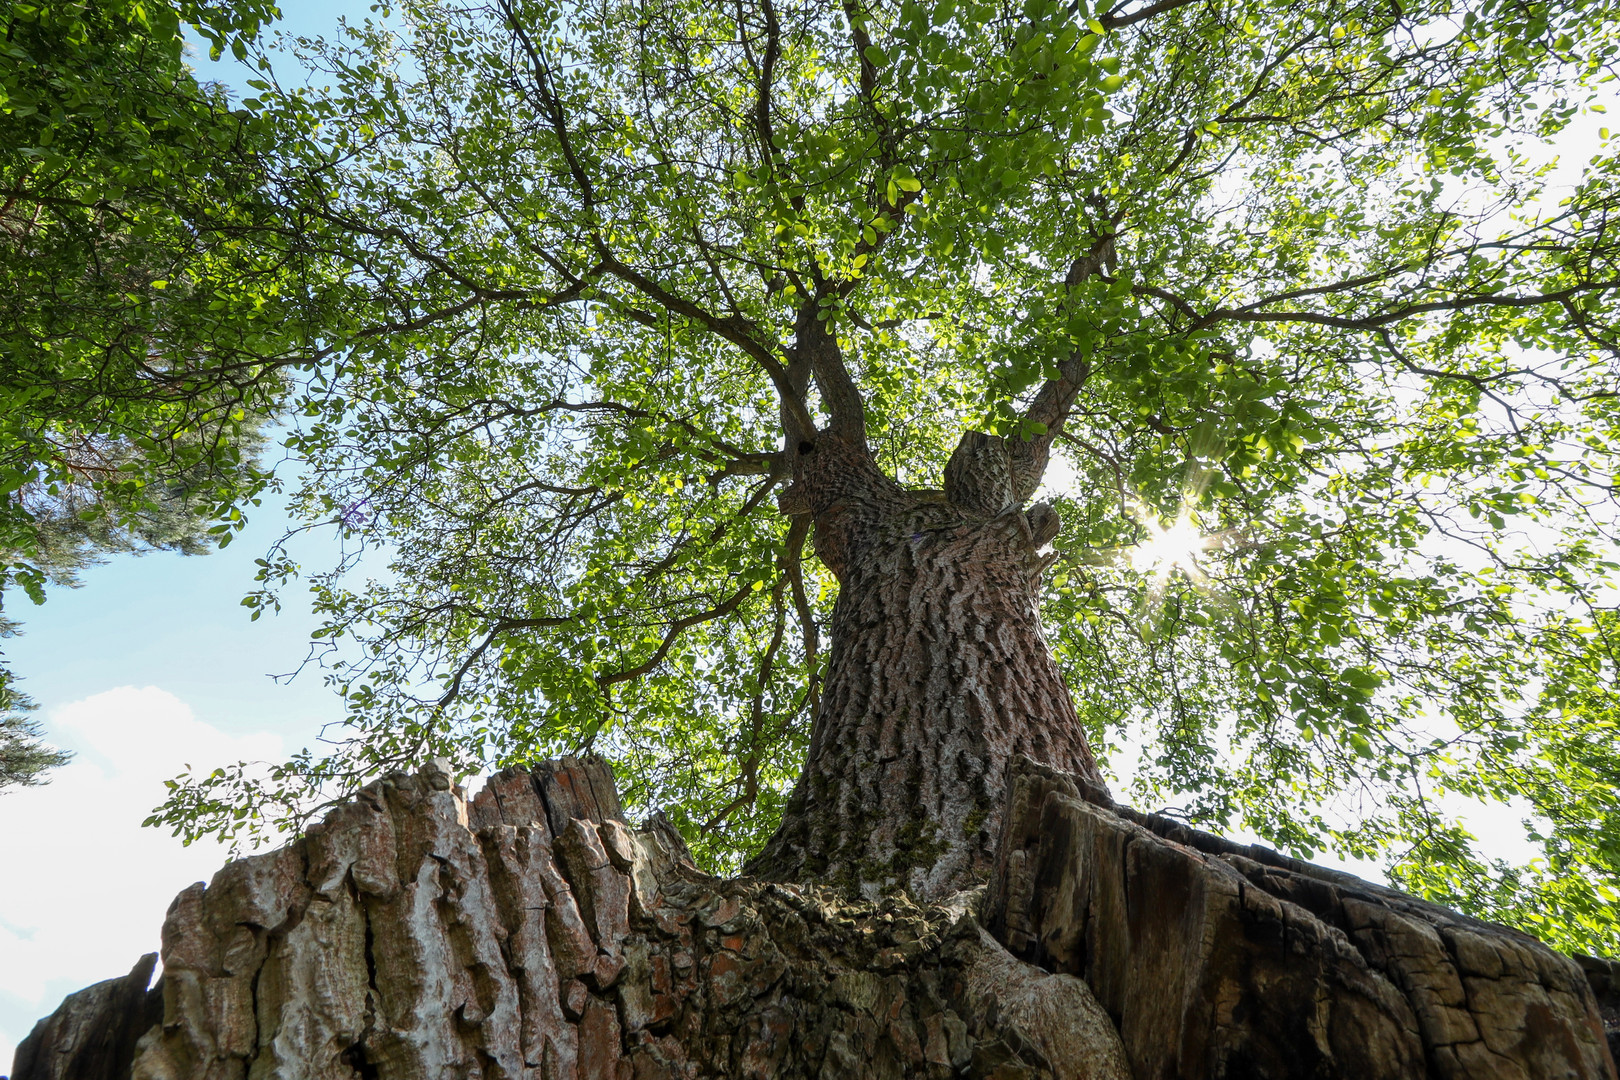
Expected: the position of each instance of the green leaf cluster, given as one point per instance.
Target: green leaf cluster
(149, 306)
(1297, 264)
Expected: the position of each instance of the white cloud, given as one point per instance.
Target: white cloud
(87, 887)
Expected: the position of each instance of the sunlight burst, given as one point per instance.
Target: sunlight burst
(1168, 549)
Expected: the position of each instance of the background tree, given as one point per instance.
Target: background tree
(645, 298)
(23, 758)
(140, 338)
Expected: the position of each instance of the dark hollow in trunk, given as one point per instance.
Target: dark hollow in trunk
(939, 674)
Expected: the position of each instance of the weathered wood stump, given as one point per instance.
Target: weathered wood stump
(1217, 959)
(532, 934)
(1604, 977)
(93, 1032)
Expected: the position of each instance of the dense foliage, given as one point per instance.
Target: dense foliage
(1304, 260)
(139, 332)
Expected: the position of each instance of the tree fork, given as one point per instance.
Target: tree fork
(939, 673)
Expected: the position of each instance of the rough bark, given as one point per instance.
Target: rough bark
(1220, 960)
(93, 1034)
(532, 934)
(939, 673)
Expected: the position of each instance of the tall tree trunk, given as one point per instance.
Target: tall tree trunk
(939, 673)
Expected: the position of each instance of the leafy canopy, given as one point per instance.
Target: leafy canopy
(140, 335)
(1301, 260)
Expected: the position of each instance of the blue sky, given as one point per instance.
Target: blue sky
(151, 665)
(177, 621)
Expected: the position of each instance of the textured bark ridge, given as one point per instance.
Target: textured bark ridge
(1223, 960)
(94, 1032)
(939, 674)
(532, 934)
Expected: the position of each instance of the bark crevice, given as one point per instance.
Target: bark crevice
(939, 673)
(506, 947)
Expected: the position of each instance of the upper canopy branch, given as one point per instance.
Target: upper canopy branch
(741, 332)
(774, 473)
(1256, 312)
(1116, 18)
(676, 629)
(765, 75)
(733, 459)
(867, 82)
(1056, 397)
(452, 688)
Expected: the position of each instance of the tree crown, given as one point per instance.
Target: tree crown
(1285, 280)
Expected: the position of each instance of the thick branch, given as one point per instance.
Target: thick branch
(862, 41)
(740, 332)
(765, 71)
(1056, 396)
(1115, 19)
(816, 350)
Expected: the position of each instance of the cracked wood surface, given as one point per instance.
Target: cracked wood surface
(531, 934)
(1217, 959)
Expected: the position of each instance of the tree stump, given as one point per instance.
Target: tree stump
(532, 934)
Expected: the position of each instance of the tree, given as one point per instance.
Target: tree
(699, 364)
(141, 339)
(23, 759)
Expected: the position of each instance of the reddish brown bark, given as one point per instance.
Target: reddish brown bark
(533, 935)
(939, 673)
